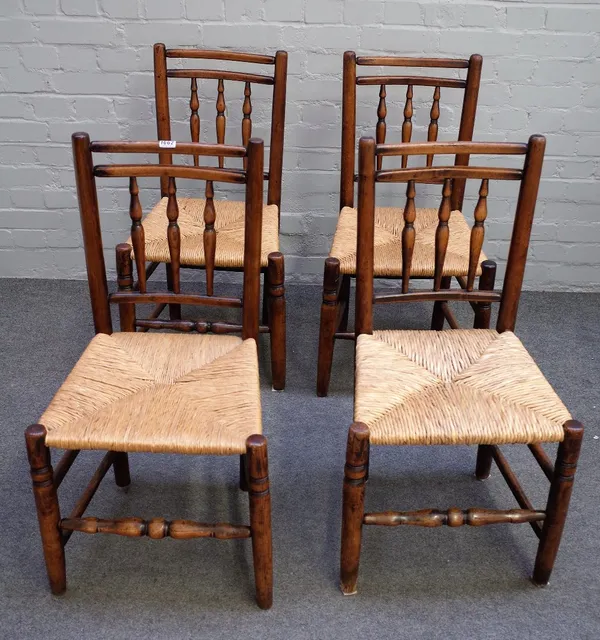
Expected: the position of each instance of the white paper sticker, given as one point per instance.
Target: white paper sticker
(167, 144)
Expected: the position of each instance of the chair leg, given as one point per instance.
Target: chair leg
(483, 466)
(121, 469)
(484, 461)
(276, 292)
(438, 318)
(46, 502)
(243, 472)
(345, 300)
(482, 321)
(265, 301)
(329, 310)
(355, 473)
(260, 519)
(174, 309)
(558, 502)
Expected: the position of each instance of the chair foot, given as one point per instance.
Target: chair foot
(260, 518)
(121, 469)
(484, 462)
(46, 502)
(558, 502)
(277, 321)
(355, 472)
(329, 312)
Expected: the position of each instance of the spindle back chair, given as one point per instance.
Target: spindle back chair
(340, 267)
(278, 80)
(469, 85)
(162, 393)
(138, 290)
(220, 246)
(475, 386)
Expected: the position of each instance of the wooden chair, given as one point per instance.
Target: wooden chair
(472, 386)
(212, 230)
(340, 266)
(157, 392)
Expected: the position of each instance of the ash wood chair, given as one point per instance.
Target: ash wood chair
(470, 386)
(212, 230)
(134, 391)
(340, 266)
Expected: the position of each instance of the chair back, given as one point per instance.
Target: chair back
(369, 176)
(469, 85)
(130, 292)
(278, 80)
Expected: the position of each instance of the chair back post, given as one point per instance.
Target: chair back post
(348, 130)
(163, 118)
(519, 244)
(253, 239)
(467, 124)
(90, 228)
(277, 129)
(365, 248)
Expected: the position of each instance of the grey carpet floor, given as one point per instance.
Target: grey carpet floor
(414, 583)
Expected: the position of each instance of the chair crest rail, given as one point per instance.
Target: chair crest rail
(392, 61)
(216, 54)
(182, 148)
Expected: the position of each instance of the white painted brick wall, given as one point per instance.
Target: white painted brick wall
(69, 65)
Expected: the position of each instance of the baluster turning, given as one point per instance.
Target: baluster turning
(432, 132)
(247, 119)
(408, 234)
(173, 235)
(221, 119)
(194, 117)
(477, 234)
(407, 124)
(442, 234)
(137, 233)
(381, 125)
(209, 237)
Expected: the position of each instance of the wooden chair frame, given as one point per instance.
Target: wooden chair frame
(336, 287)
(548, 525)
(56, 531)
(273, 274)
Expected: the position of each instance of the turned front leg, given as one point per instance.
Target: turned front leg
(276, 314)
(260, 518)
(46, 502)
(327, 329)
(355, 475)
(558, 501)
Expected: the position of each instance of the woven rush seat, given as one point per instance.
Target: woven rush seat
(467, 386)
(389, 222)
(229, 226)
(160, 392)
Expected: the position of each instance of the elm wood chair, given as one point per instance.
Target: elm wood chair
(133, 391)
(470, 386)
(212, 230)
(340, 266)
